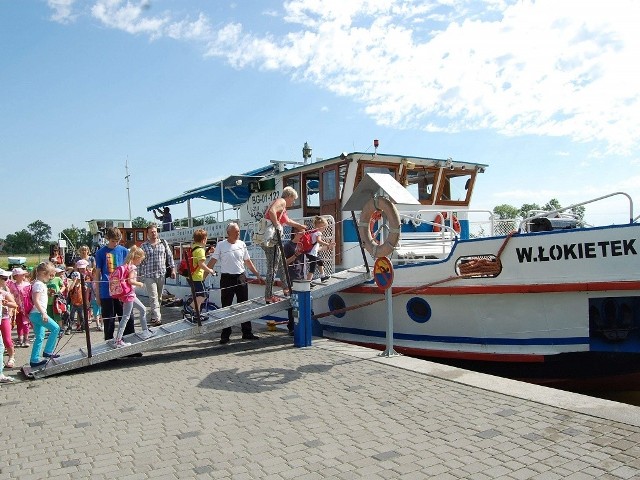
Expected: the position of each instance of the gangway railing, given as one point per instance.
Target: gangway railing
(180, 330)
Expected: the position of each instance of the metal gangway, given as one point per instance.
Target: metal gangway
(184, 329)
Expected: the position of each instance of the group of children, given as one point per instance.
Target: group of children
(26, 304)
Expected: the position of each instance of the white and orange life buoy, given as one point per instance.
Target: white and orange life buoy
(440, 219)
(375, 209)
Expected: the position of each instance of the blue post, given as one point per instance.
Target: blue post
(302, 298)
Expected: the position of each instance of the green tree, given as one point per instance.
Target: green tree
(77, 236)
(140, 222)
(527, 208)
(505, 211)
(19, 242)
(552, 204)
(41, 234)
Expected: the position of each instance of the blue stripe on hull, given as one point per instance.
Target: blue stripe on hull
(467, 340)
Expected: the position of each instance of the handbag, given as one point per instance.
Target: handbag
(264, 233)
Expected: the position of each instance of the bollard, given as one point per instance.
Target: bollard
(302, 305)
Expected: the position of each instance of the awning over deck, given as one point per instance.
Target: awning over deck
(233, 190)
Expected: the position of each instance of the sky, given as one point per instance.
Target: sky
(186, 92)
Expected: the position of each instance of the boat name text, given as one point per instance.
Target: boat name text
(575, 251)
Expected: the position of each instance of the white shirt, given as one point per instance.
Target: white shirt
(231, 256)
(316, 246)
(40, 290)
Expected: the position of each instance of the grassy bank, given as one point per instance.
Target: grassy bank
(32, 259)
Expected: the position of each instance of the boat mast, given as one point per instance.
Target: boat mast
(126, 168)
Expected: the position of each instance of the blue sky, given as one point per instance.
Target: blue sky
(188, 92)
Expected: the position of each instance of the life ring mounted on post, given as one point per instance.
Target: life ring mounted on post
(440, 219)
(374, 210)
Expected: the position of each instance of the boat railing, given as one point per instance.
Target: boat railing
(526, 223)
(223, 215)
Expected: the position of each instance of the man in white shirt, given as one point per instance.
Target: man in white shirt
(233, 256)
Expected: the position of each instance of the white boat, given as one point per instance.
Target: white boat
(553, 300)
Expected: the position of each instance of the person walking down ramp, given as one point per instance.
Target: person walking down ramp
(122, 285)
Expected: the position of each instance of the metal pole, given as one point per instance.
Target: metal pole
(388, 297)
(126, 167)
(85, 311)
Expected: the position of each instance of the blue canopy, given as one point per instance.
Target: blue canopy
(233, 190)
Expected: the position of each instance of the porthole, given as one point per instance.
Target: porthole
(419, 310)
(336, 302)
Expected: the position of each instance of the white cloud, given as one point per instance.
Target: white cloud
(518, 67)
(61, 10)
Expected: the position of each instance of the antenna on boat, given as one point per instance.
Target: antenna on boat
(126, 169)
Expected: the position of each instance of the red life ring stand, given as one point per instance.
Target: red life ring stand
(440, 219)
(373, 210)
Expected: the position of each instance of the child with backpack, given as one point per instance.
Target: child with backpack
(122, 283)
(310, 244)
(21, 290)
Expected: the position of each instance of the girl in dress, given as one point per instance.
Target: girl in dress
(18, 287)
(8, 306)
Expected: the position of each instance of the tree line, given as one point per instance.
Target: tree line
(509, 212)
(37, 237)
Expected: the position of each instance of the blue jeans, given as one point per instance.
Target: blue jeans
(39, 326)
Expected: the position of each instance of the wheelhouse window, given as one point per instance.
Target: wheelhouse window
(312, 190)
(294, 181)
(455, 187)
(364, 168)
(421, 183)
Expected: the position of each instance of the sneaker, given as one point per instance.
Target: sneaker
(274, 299)
(156, 323)
(39, 364)
(50, 355)
(67, 331)
(325, 278)
(26, 345)
(100, 328)
(121, 344)
(5, 379)
(250, 336)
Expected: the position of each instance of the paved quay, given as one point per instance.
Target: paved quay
(265, 410)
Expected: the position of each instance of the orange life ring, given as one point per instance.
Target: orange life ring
(373, 210)
(440, 219)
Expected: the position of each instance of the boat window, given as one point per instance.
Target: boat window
(294, 182)
(342, 176)
(391, 170)
(456, 187)
(420, 183)
(329, 185)
(364, 168)
(312, 190)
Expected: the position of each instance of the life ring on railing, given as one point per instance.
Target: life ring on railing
(373, 210)
(440, 219)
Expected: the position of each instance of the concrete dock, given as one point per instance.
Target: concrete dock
(263, 409)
